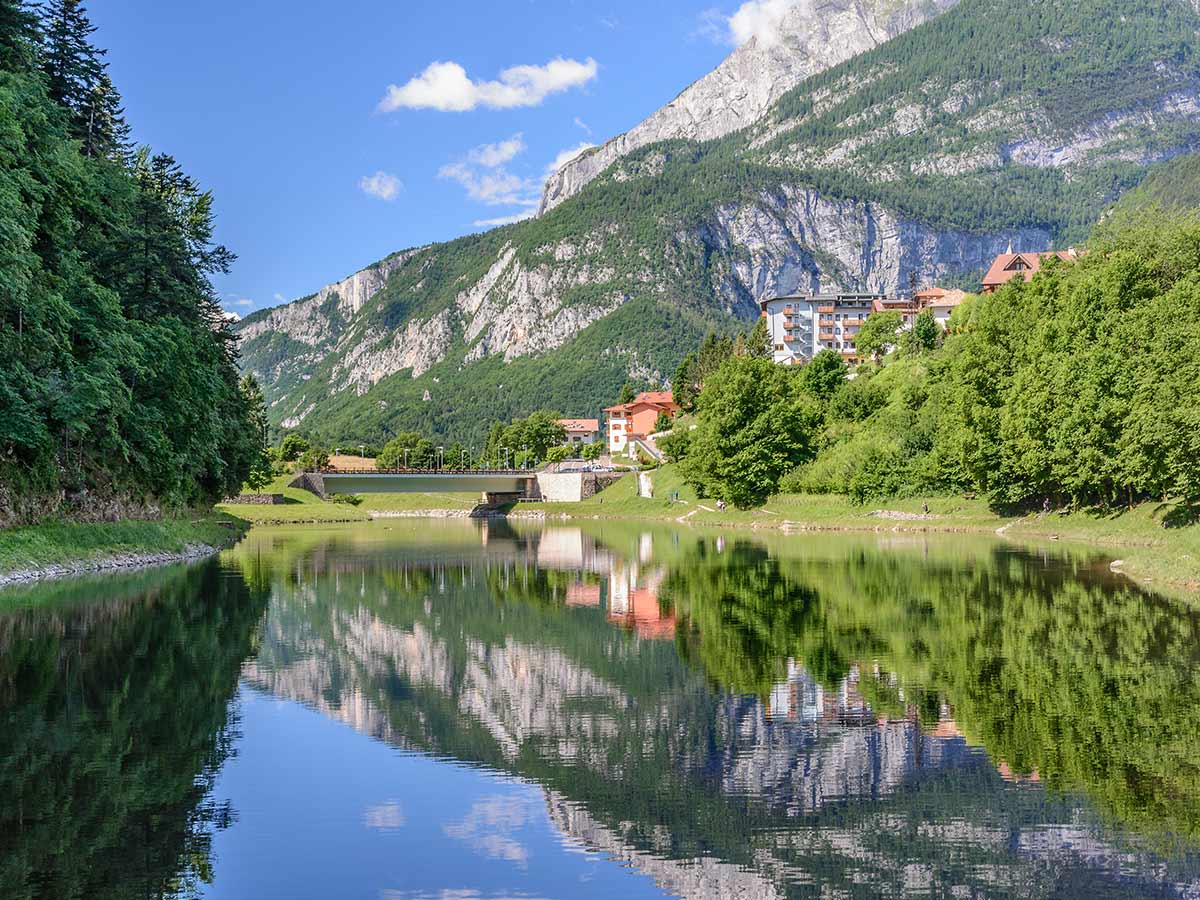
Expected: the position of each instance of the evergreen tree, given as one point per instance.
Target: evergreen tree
(72, 65)
(18, 36)
(684, 383)
(758, 341)
(106, 133)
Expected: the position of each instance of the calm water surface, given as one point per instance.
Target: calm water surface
(429, 710)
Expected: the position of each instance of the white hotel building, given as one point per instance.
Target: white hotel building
(801, 327)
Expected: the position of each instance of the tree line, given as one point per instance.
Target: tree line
(118, 378)
(1080, 388)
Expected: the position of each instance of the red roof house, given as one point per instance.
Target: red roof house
(1011, 265)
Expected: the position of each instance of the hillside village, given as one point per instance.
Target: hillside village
(798, 328)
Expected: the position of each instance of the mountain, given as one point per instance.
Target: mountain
(914, 162)
(812, 37)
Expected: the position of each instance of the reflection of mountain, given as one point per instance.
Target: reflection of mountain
(114, 719)
(710, 794)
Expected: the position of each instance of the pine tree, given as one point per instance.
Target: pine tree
(72, 65)
(106, 133)
(18, 36)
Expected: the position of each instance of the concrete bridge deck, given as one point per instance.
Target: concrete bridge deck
(494, 482)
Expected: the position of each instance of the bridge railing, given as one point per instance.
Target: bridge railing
(443, 471)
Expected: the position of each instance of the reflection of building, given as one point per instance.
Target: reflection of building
(633, 604)
(581, 594)
(801, 699)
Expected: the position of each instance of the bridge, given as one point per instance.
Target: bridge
(492, 484)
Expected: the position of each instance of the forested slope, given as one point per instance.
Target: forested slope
(119, 389)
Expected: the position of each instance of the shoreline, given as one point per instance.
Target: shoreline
(118, 562)
(58, 550)
(1135, 541)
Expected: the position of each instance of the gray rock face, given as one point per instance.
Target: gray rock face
(814, 35)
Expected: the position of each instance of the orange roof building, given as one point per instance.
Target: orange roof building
(581, 431)
(637, 418)
(1008, 266)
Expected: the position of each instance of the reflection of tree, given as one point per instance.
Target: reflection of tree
(637, 752)
(1089, 684)
(114, 718)
(745, 616)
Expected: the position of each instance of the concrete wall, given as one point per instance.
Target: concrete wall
(572, 487)
(564, 487)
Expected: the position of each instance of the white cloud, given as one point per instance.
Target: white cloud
(385, 817)
(759, 19)
(505, 220)
(579, 123)
(382, 185)
(566, 156)
(231, 316)
(483, 175)
(279, 298)
(493, 825)
(446, 86)
(243, 302)
(496, 187)
(492, 156)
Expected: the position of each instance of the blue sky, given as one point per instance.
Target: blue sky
(330, 137)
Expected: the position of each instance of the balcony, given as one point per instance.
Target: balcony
(826, 309)
(853, 323)
(827, 336)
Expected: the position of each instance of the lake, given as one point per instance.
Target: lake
(456, 710)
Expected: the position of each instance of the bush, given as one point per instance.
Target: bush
(293, 447)
(674, 446)
(313, 459)
(592, 452)
(348, 499)
(559, 454)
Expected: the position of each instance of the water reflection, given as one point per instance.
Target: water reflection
(750, 720)
(817, 716)
(114, 719)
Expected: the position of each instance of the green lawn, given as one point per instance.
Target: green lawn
(302, 508)
(305, 508)
(54, 543)
(420, 501)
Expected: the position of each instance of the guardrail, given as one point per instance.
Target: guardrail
(517, 472)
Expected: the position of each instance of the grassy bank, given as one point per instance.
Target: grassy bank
(1148, 552)
(300, 507)
(62, 543)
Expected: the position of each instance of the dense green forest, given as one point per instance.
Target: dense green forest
(1080, 388)
(119, 390)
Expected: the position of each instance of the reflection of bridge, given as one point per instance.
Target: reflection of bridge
(513, 483)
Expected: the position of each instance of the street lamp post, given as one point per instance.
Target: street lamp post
(463, 463)
(524, 456)
(406, 457)
(505, 450)
(441, 458)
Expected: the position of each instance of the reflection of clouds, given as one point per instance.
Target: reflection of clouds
(385, 817)
(490, 825)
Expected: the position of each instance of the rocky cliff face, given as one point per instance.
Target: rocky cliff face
(813, 36)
